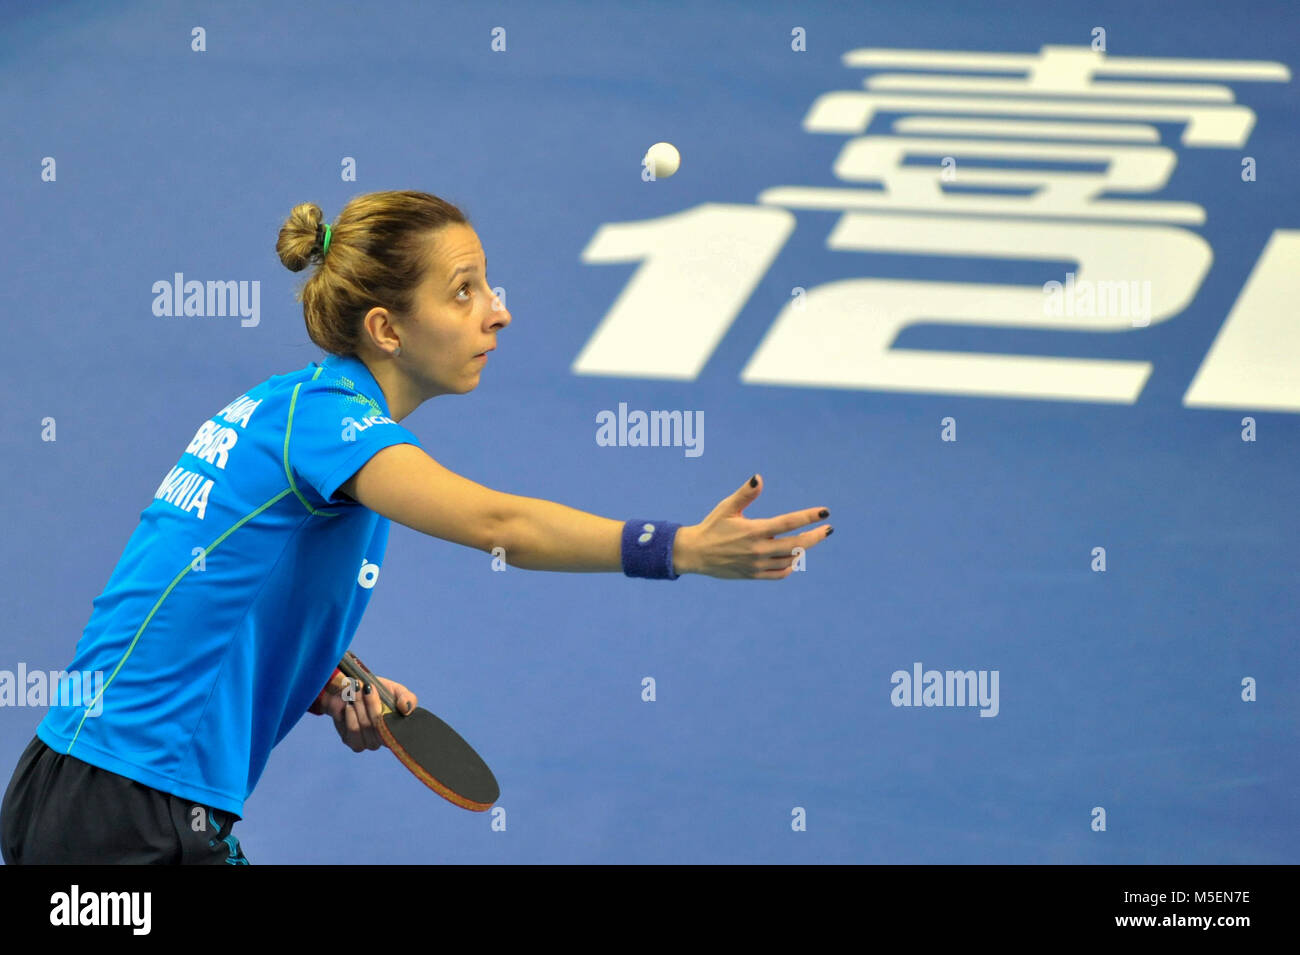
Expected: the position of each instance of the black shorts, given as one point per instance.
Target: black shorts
(59, 810)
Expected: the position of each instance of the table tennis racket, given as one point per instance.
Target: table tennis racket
(433, 751)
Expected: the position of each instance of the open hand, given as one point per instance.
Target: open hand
(727, 545)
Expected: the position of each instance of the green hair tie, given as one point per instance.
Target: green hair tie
(327, 240)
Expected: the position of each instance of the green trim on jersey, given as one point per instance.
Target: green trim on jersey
(288, 430)
(188, 567)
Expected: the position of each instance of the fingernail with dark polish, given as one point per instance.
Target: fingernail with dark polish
(753, 482)
(830, 531)
(367, 689)
(824, 513)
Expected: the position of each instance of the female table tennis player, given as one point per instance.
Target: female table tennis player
(247, 576)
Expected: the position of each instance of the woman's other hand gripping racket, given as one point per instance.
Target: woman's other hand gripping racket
(730, 546)
(356, 713)
(431, 750)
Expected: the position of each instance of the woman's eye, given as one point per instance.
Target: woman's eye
(464, 287)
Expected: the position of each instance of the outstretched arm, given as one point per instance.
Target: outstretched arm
(406, 485)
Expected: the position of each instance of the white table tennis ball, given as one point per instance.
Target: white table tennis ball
(662, 159)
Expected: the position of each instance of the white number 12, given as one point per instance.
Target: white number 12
(700, 266)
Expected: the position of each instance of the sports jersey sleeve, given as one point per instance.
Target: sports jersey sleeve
(333, 431)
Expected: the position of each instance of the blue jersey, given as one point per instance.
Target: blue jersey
(238, 592)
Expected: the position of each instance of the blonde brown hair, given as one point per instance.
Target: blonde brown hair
(378, 253)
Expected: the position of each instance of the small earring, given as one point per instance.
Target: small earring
(397, 351)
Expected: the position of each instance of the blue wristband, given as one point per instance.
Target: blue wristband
(648, 549)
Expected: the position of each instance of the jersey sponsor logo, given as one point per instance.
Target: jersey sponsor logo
(369, 574)
(352, 425)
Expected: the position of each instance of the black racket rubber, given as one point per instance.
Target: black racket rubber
(434, 752)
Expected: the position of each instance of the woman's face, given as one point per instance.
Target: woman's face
(456, 317)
